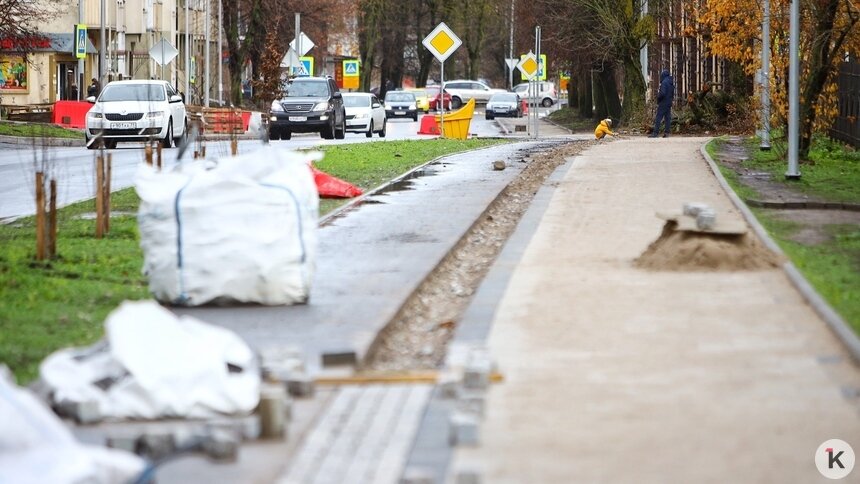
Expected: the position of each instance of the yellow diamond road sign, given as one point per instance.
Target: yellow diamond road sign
(529, 65)
(442, 42)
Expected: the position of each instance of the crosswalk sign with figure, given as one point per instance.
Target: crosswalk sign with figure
(80, 41)
(350, 68)
(306, 68)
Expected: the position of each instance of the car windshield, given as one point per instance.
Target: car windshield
(508, 97)
(133, 92)
(356, 101)
(307, 89)
(521, 88)
(432, 90)
(400, 97)
(419, 93)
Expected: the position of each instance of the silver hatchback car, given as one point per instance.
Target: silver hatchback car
(547, 95)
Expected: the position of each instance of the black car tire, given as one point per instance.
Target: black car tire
(178, 140)
(382, 131)
(415, 116)
(369, 133)
(91, 145)
(488, 116)
(341, 133)
(274, 135)
(328, 131)
(456, 103)
(167, 142)
(286, 134)
(547, 102)
(110, 144)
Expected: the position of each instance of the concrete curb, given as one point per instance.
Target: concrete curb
(40, 141)
(569, 131)
(838, 325)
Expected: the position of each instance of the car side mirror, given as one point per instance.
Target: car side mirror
(91, 99)
(176, 98)
(337, 95)
(376, 105)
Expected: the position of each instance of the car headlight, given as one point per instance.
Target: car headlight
(412, 106)
(323, 106)
(276, 106)
(361, 116)
(154, 114)
(95, 115)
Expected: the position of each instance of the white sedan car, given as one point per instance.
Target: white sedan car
(136, 110)
(364, 114)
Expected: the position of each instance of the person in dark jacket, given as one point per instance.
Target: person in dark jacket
(664, 104)
(95, 88)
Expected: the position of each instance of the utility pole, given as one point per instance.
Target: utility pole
(102, 44)
(765, 78)
(220, 53)
(80, 74)
(541, 68)
(793, 172)
(187, 53)
(511, 48)
(207, 70)
(298, 41)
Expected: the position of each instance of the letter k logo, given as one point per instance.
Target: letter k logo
(834, 459)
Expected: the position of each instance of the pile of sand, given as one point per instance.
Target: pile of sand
(677, 250)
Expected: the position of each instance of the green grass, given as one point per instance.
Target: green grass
(571, 120)
(37, 130)
(832, 172)
(47, 306)
(832, 267)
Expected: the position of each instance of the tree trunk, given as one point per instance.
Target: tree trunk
(609, 104)
(634, 88)
(235, 61)
(584, 86)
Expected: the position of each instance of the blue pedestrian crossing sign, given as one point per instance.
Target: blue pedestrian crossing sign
(306, 68)
(80, 41)
(350, 68)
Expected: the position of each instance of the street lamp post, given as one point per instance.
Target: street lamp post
(793, 172)
(765, 78)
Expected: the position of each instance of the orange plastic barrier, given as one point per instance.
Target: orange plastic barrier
(331, 187)
(429, 125)
(71, 114)
(525, 106)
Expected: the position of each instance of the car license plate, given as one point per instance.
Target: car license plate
(123, 125)
(298, 118)
(399, 113)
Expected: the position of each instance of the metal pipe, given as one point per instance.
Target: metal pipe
(103, 14)
(208, 68)
(187, 52)
(765, 78)
(79, 76)
(220, 53)
(793, 172)
(511, 49)
(541, 68)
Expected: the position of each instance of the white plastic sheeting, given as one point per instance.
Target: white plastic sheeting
(36, 447)
(156, 365)
(241, 230)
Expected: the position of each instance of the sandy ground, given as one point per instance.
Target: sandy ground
(619, 374)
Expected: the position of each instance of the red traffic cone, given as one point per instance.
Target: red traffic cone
(332, 187)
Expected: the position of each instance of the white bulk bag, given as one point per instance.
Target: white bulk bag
(241, 230)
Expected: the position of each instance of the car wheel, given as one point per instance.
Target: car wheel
(110, 144)
(341, 133)
(274, 135)
(286, 134)
(456, 103)
(382, 132)
(488, 116)
(369, 133)
(178, 140)
(547, 102)
(328, 131)
(92, 143)
(167, 142)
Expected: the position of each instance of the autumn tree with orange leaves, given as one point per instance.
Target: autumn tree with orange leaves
(829, 31)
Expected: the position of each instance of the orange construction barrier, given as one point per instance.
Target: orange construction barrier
(525, 106)
(332, 187)
(71, 114)
(457, 122)
(429, 125)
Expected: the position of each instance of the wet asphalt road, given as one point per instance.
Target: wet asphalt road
(73, 167)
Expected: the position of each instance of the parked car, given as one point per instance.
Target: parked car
(422, 101)
(463, 90)
(433, 98)
(504, 104)
(400, 104)
(136, 110)
(309, 105)
(547, 94)
(364, 113)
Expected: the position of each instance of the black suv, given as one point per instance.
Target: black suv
(309, 105)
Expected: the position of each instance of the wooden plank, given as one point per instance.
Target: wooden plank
(40, 216)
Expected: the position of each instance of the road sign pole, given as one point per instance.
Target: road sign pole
(442, 100)
(541, 68)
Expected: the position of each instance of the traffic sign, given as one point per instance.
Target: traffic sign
(80, 41)
(512, 63)
(163, 52)
(290, 59)
(350, 68)
(528, 65)
(442, 42)
(306, 68)
(307, 44)
(541, 76)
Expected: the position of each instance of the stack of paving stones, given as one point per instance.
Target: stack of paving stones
(284, 377)
(464, 382)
